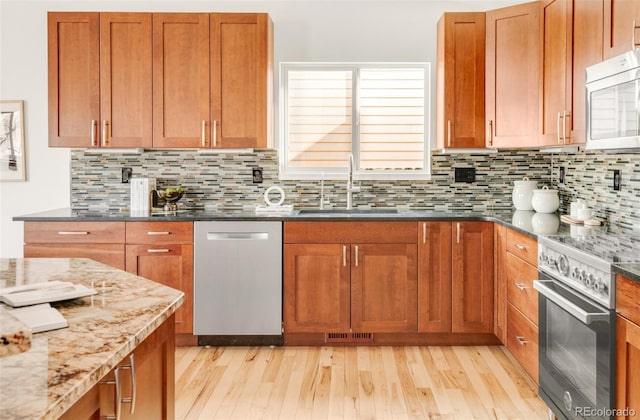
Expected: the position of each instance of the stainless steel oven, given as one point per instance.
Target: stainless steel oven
(576, 324)
(576, 352)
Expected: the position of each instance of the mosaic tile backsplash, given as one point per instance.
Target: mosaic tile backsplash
(224, 181)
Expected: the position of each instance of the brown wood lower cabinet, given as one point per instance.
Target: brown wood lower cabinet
(153, 385)
(163, 252)
(627, 345)
(346, 277)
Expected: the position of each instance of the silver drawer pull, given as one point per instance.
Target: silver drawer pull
(521, 286)
(72, 233)
(158, 250)
(118, 400)
(158, 233)
(521, 340)
(520, 247)
(131, 400)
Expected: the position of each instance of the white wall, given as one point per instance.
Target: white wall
(304, 31)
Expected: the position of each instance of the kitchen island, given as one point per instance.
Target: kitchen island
(66, 368)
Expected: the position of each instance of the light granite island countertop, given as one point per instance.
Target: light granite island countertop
(63, 365)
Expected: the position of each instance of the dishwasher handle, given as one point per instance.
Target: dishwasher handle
(237, 236)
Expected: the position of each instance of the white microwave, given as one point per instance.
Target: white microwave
(613, 104)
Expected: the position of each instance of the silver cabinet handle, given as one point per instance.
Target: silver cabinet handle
(203, 134)
(158, 250)
(458, 232)
(131, 400)
(158, 233)
(94, 128)
(520, 247)
(521, 286)
(424, 233)
(344, 255)
(356, 255)
(449, 133)
(558, 128)
(105, 133)
(564, 126)
(72, 233)
(521, 340)
(215, 133)
(118, 400)
(490, 132)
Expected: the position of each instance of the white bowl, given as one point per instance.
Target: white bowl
(545, 200)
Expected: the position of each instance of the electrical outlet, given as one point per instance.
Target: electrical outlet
(465, 175)
(616, 179)
(257, 174)
(126, 175)
(561, 175)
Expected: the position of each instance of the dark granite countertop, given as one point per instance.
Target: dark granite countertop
(526, 222)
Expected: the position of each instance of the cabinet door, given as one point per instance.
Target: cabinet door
(627, 365)
(317, 294)
(384, 288)
(460, 80)
(241, 76)
(619, 31)
(171, 265)
(125, 79)
(181, 87)
(154, 382)
(434, 277)
(512, 75)
(556, 73)
(74, 79)
(472, 277)
(587, 49)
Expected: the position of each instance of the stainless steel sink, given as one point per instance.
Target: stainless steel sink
(345, 211)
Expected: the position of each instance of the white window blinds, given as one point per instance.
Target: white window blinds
(377, 112)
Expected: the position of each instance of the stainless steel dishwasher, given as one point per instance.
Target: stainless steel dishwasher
(238, 283)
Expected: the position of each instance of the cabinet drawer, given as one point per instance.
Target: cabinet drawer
(350, 232)
(522, 340)
(74, 232)
(159, 232)
(628, 298)
(523, 246)
(520, 291)
(110, 254)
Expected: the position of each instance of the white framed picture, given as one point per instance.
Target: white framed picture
(12, 147)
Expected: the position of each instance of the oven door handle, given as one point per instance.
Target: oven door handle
(575, 310)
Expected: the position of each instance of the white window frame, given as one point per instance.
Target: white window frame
(289, 173)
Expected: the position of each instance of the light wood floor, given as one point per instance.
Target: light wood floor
(353, 383)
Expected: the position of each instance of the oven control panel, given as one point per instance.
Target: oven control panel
(591, 281)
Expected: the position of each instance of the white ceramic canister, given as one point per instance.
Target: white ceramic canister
(545, 200)
(522, 193)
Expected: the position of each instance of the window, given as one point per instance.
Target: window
(378, 112)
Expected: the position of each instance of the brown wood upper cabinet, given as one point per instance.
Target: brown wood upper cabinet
(160, 80)
(512, 76)
(460, 80)
(99, 79)
(621, 26)
(571, 41)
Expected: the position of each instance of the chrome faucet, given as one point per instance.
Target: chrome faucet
(350, 187)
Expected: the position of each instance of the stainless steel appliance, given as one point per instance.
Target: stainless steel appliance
(238, 282)
(613, 103)
(577, 322)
